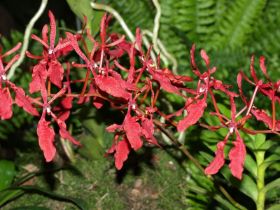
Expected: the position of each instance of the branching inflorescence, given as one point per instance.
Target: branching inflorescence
(133, 90)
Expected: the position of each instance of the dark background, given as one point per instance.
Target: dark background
(15, 14)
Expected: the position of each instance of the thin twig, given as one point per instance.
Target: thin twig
(26, 37)
(156, 24)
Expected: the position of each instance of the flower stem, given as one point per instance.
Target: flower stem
(260, 180)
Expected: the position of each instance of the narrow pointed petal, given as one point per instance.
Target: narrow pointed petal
(55, 72)
(65, 134)
(237, 157)
(103, 25)
(111, 86)
(52, 30)
(24, 101)
(11, 51)
(133, 132)
(194, 113)
(39, 76)
(263, 67)
(252, 70)
(148, 131)
(261, 115)
(205, 57)
(46, 139)
(165, 83)
(219, 160)
(122, 150)
(6, 103)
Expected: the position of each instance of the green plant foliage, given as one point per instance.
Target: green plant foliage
(202, 194)
(82, 9)
(219, 26)
(30, 208)
(21, 121)
(267, 33)
(172, 36)
(7, 173)
(238, 22)
(138, 14)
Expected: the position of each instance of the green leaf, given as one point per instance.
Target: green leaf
(274, 207)
(224, 202)
(30, 208)
(9, 195)
(267, 145)
(259, 140)
(82, 8)
(273, 184)
(247, 185)
(270, 160)
(251, 165)
(93, 137)
(34, 189)
(7, 173)
(224, 110)
(238, 23)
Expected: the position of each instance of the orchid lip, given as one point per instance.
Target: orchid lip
(48, 109)
(50, 51)
(231, 129)
(4, 77)
(133, 106)
(201, 90)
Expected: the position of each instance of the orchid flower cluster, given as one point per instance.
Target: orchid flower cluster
(133, 90)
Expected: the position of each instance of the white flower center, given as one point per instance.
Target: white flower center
(231, 129)
(201, 90)
(133, 106)
(94, 65)
(50, 52)
(48, 109)
(4, 77)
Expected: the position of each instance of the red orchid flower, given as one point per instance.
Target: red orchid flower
(46, 133)
(129, 134)
(6, 100)
(49, 64)
(269, 89)
(106, 79)
(196, 106)
(238, 153)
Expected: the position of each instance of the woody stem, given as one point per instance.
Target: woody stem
(156, 96)
(49, 87)
(85, 83)
(216, 106)
(139, 75)
(273, 112)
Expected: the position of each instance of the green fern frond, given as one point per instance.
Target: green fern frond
(239, 21)
(138, 14)
(172, 37)
(195, 18)
(267, 35)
